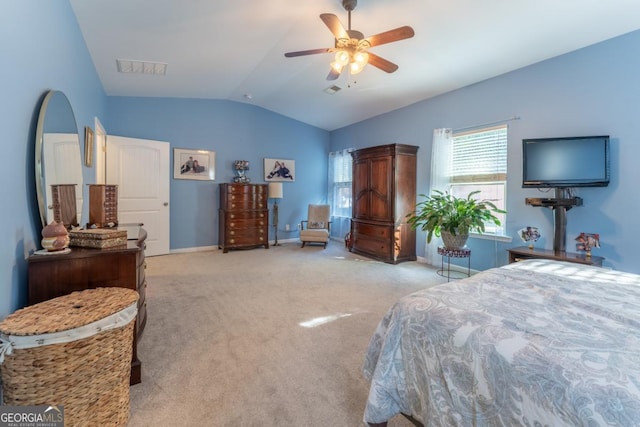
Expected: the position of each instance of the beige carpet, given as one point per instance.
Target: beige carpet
(224, 345)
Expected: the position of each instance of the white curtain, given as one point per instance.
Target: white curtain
(339, 191)
(440, 180)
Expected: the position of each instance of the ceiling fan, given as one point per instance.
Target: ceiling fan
(352, 48)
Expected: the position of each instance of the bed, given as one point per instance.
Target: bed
(533, 343)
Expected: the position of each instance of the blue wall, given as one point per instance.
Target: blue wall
(595, 90)
(235, 131)
(41, 48)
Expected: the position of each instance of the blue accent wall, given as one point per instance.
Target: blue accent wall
(234, 131)
(41, 48)
(591, 91)
(594, 90)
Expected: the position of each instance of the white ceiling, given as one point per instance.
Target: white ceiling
(226, 49)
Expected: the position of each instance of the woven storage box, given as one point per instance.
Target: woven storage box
(99, 238)
(73, 351)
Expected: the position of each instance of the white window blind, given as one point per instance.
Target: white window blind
(480, 155)
(479, 162)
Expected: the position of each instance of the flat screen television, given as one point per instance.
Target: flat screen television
(580, 161)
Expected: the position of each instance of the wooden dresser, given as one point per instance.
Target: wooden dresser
(52, 276)
(523, 252)
(243, 216)
(384, 192)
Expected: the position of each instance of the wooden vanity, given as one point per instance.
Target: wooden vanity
(52, 276)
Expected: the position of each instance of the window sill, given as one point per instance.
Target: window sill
(496, 237)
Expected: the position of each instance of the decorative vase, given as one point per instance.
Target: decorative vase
(452, 241)
(241, 166)
(55, 237)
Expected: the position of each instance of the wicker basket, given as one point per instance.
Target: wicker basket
(73, 351)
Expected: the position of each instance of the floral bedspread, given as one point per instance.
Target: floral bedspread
(534, 343)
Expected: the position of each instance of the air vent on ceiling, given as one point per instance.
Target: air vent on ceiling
(332, 89)
(141, 67)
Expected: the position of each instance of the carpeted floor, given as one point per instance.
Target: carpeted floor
(224, 343)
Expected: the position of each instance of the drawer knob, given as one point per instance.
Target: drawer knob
(232, 241)
(232, 232)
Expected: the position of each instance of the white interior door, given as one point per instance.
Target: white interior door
(99, 152)
(63, 166)
(140, 169)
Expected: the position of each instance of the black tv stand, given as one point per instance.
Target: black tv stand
(554, 203)
(560, 205)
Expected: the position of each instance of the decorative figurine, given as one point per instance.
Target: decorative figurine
(241, 166)
(529, 235)
(587, 241)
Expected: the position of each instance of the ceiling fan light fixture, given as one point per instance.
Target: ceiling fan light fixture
(342, 57)
(361, 58)
(337, 67)
(356, 67)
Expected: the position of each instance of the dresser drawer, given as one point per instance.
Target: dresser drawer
(142, 290)
(247, 215)
(141, 320)
(246, 204)
(233, 224)
(372, 230)
(246, 239)
(371, 245)
(245, 189)
(252, 232)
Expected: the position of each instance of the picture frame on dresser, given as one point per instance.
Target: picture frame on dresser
(283, 170)
(194, 164)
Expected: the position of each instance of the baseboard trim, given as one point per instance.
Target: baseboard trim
(216, 248)
(195, 249)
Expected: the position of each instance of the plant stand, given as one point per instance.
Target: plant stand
(456, 253)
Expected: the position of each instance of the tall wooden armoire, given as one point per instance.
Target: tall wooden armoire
(384, 192)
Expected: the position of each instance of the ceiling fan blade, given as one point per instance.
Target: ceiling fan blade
(335, 26)
(400, 33)
(333, 74)
(382, 63)
(308, 52)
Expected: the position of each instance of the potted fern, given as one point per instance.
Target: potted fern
(443, 214)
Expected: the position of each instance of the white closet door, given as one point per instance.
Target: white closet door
(140, 169)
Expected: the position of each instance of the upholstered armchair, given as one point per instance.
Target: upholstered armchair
(315, 229)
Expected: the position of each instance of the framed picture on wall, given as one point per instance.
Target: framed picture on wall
(279, 170)
(194, 164)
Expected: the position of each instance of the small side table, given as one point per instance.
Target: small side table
(455, 253)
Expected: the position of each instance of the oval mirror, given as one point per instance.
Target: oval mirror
(58, 165)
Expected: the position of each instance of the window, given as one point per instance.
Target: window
(340, 183)
(479, 162)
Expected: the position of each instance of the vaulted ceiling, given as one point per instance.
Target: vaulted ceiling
(234, 49)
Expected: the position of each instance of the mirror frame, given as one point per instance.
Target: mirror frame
(41, 190)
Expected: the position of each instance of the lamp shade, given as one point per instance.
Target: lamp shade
(275, 190)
